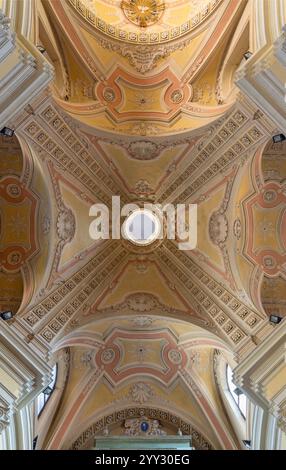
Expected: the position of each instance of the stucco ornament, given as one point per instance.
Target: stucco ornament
(66, 225)
(143, 426)
(143, 13)
(141, 392)
(143, 150)
(141, 302)
(142, 321)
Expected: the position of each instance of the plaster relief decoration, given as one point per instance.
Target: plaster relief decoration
(218, 228)
(136, 353)
(66, 222)
(271, 259)
(160, 97)
(141, 393)
(199, 363)
(82, 359)
(139, 313)
(4, 416)
(142, 321)
(143, 13)
(140, 414)
(273, 295)
(143, 150)
(141, 303)
(143, 427)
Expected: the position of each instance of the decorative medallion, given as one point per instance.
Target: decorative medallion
(143, 13)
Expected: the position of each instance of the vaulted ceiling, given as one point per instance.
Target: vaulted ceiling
(149, 113)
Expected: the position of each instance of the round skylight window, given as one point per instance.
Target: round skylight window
(142, 227)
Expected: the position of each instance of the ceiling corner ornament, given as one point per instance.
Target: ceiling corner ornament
(143, 13)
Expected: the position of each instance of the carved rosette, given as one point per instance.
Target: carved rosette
(4, 418)
(143, 426)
